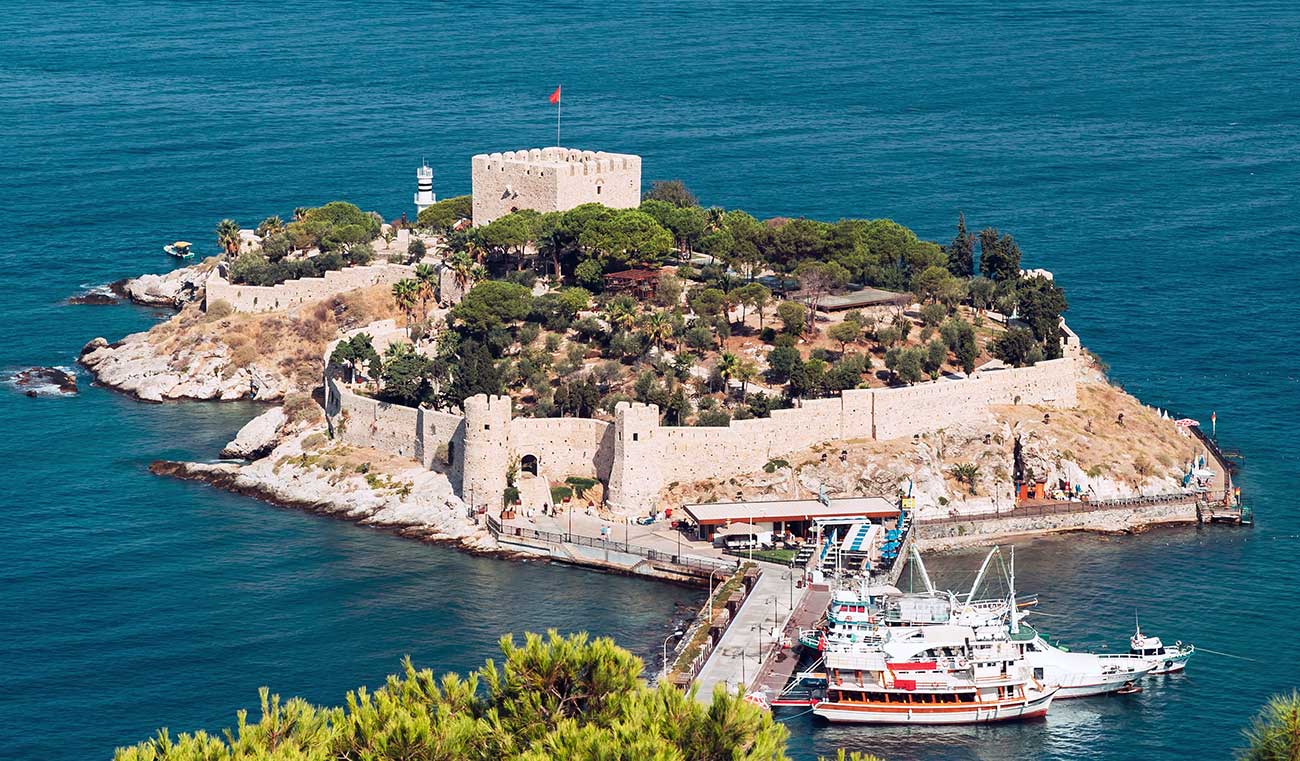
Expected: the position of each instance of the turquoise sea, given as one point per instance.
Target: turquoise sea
(1146, 151)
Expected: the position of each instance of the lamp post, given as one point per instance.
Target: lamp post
(677, 633)
(715, 570)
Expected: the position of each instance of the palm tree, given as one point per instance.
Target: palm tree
(406, 292)
(713, 218)
(748, 371)
(228, 236)
(463, 269)
(621, 313)
(728, 368)
(658, 328)
(427, 278)
(300, 213)
(270, 226)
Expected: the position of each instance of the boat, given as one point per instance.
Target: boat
(180, 249)
(1129, 688)
(937, 674)
(1078, 675)
(1164, 659)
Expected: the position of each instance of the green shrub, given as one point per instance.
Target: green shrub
(219, 310)
(580, 484)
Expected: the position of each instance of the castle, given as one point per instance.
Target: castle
(552, 179)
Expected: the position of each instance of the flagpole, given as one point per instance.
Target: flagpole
(558, 104)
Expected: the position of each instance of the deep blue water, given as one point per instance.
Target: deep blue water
(1145, 151)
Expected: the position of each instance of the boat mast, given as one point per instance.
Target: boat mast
(1015, 613)
(979, 579)
(920, 566)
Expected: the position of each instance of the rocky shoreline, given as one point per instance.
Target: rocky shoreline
(300, 468)
(136, 366)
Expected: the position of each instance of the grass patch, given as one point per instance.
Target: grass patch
(780, 557)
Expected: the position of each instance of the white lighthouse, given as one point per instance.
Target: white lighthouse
(424, 188)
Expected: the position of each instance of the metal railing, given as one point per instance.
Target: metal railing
(499, 529)
(1064, 507)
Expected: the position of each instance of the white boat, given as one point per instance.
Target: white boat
(937, 674)
(1078, 675)
(180, 249)
(1164, 659)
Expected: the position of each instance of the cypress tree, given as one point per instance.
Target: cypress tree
(961, 252)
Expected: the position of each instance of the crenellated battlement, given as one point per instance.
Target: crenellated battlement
(552, 179)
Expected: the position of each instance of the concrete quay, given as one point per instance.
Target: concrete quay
(754, 634)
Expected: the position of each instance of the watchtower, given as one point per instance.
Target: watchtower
(637, 473)
(553, 179)
(487, 450)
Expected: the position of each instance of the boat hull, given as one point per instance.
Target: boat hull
(1007, 710)
(1093, 689)
(1171, 665)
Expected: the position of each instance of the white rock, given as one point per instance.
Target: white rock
(136, 366)
(173, 289)
(258, 436)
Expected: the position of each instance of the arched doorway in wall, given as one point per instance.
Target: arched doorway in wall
(528, 464)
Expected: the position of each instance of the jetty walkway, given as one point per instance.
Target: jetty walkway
(755, 631)
(760, 648)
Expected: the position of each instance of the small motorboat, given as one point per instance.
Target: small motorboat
(1129, 688)
(180, 249)
(1164, 659)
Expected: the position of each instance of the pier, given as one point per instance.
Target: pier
(759, 649)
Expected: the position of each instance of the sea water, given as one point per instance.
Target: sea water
(1143, 151)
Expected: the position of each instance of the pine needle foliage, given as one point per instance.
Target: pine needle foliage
(553, 697)
(1275, 733)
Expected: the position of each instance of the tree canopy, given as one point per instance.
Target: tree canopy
(490, 304)
(442, 215)
(553, 697)
(673, 192)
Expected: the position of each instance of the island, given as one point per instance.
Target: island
(555, 361)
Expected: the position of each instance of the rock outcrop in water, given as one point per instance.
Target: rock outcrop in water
(36, 381)
(258, 436)
(173, 289)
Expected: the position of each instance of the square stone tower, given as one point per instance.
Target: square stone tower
(553, 179)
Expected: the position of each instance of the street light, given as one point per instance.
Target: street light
(677, 633)
(715, 570)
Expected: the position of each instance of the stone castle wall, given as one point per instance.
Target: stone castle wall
(307, 290)
(900, 412)
(637, 457)
(552, 179)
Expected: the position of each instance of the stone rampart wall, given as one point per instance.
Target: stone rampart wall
(637, 457)
(365, 422)
(945, 535)
(902, 412)
(565, 446)
(307, 290)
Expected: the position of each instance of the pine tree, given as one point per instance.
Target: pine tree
(961, 252)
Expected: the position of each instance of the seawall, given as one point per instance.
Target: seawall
(947, 534)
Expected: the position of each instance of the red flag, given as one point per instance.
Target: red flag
(555, 97)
